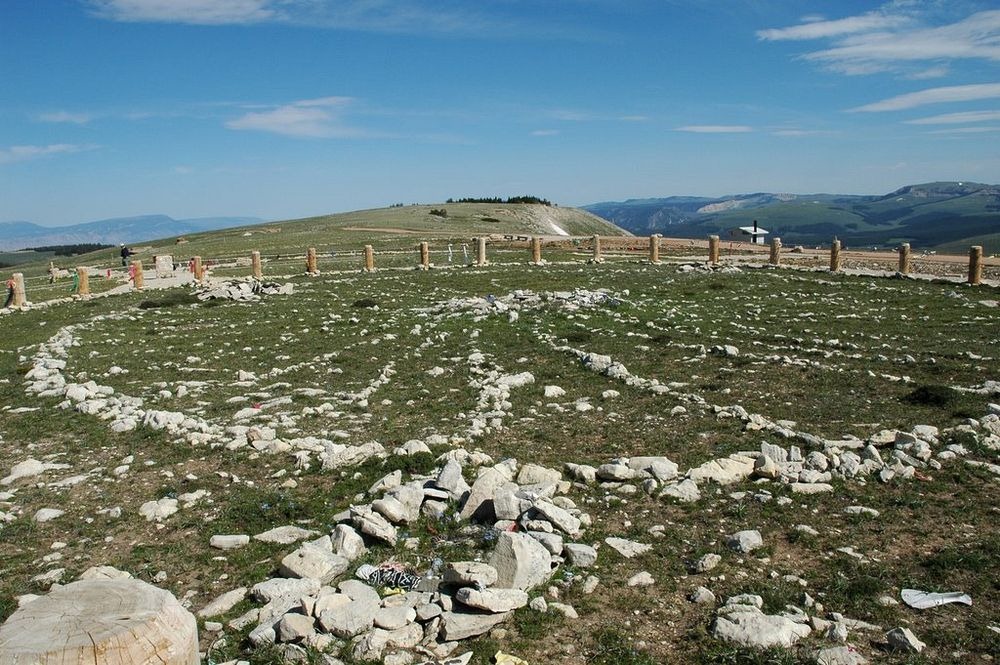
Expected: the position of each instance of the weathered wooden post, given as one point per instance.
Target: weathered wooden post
(713, 249)
(101, 622)
(20, 298)
(425, 256)
(255, 267)
(83, 281)
(198, 270)
(835, 256)
(369, 258)
(137, 276)
(904, 258)
(311, 265)
(975, 264)
(481, 251)
(597, 250)
(775, 251)
(654, 249)
(536, 250)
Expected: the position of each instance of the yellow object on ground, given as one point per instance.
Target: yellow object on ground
(502, 658)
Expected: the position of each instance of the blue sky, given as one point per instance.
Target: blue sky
(289, 108)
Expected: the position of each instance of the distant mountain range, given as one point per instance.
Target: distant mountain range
(18, 235)
(940, 215)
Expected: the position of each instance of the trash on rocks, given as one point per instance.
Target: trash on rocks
(501, 658)
(242, 290)
(923, 600)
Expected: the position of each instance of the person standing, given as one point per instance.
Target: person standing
(10, 292)
(125, 252)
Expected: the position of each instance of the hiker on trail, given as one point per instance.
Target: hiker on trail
(126, 252)
(76, 283)
(10, 292)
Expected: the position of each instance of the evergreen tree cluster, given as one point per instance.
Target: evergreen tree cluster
(497, 199)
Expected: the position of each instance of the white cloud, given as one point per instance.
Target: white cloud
(307, 118)
(715, 129)
(23, 153)
(957, 118)
(930, 73)
(199, 12)
(817, 29)
(545, 132)
(896, 38)
(65, 116)
(442, 17)
(634, 118)
(798, 132)
(952, 93)
(967, 130)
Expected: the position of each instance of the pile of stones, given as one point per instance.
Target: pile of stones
(243, 290)
(317, 601)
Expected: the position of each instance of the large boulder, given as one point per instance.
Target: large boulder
(521, 562)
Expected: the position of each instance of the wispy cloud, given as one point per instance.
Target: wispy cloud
(66, 116)
(799, 132)
(715, 129)
(957, 118)
(307, 118)
(545, 132)
(896, 38)
(198, 12)
(443, 17)
(952, 93)
(967, 130)
(23, 153)
(818, 29)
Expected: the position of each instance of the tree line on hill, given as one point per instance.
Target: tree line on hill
(497, 199)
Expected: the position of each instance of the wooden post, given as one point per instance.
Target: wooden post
(775, 251)
(83, 281)
(713, 249)
(904, 258)
(311, 265)
(369, 258)
(255, 267)
(199, 271)
(975, 264)
(536, 250)
(425, 256)
(20, 298)
(654, 248)
(835, 256)
(481, 251)
(101, 622)
(137, 276)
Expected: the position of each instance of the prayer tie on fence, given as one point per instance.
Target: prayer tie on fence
(775, 251)
(654, 249)
(82, 281)
(255, 268)
(904, 258)
(369, 258)
(835, 256)
(481, 251)
(975, 264)
(425, 256)
(713, 249)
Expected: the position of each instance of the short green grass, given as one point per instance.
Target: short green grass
(839, 355)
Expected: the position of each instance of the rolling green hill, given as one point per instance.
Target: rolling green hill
(939, 215)
(394, 228)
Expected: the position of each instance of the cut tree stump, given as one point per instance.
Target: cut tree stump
(101, 622)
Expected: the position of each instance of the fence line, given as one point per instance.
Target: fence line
(17, 294)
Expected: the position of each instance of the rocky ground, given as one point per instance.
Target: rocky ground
(612, 463)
